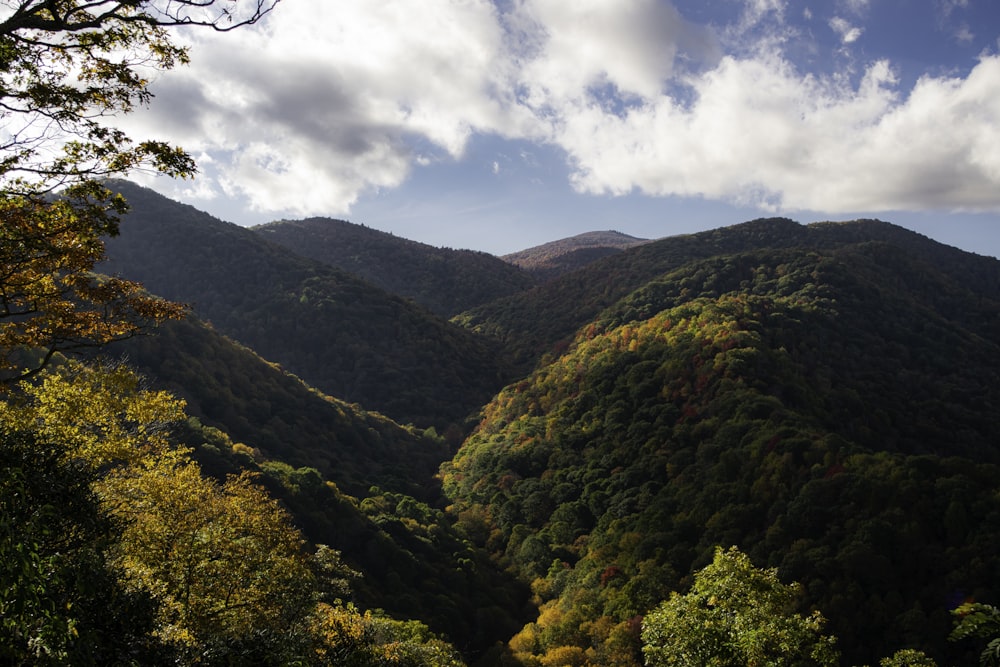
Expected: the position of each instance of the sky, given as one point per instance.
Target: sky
(497, 125)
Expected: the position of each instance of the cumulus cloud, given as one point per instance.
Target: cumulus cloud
(761, 134)
(329, 100)
(335, 100)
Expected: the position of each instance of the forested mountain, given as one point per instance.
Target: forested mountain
(555, 258)
(340, 334)
(443, 280)
(824, 397)
(353, 480)
(547, 316)
(275, 414)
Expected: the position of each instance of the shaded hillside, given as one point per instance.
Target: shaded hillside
(343, 336)
(443, 280)
(274, 413)
(545, 318)
(353, 480)
(551, 260)
(829, 409)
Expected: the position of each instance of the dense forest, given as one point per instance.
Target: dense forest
(342, 335)
(822, 397)
(442, 280)
(315, 444)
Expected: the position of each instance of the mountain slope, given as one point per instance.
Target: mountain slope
(443, 280)
(555, 258)
(229, 387)
(545, 318)
(353, 480)
(825, 397)
(343, 336)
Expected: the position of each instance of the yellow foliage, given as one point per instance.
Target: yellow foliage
(565, 656)
(525, 641)
(221, 560)
(101, 416)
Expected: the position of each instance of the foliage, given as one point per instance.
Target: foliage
(907, 658)
(735, 614)
(66, 68)
(351, 638)
(442, 280)
(60, 599)
(223, 562)
(817, 408)
(99, 415)
(974, 619)
(229, 387)
(49, 300)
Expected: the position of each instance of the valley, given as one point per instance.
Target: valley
(535, 474)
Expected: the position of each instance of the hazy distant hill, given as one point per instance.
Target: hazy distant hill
(442, 280)
(340, 334)
(825, 397)
(555, 258)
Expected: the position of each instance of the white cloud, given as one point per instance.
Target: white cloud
(336, 99)
(762, 134)
(848, 33)
(634, 46)
(858, 7)
(342, 99)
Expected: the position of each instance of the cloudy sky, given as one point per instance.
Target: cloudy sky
(498, 125)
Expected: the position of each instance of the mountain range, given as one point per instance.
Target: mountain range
(530, 459)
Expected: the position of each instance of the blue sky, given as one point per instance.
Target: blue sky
(501, 125)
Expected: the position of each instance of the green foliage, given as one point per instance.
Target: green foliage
(275, 414)
(908, 658)
(735, 614)
(196, 571)
(60, 599)
(982, 621)
(818, 408)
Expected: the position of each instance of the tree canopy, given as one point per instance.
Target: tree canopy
(735, 614)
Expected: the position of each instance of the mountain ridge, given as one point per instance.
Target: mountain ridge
(344, 336)
(443, 280)
(822, 396)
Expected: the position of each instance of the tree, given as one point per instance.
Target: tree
(60, 599)
(67, 68)
(978, 620)
(99, 415)
(67, 65)
(223, 561)
(735, 614)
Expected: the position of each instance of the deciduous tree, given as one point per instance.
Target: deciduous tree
(68, 68)
(735, 614)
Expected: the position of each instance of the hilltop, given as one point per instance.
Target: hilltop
(555, 258)
(443, 280)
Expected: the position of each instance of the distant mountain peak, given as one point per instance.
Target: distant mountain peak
(555, 258)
